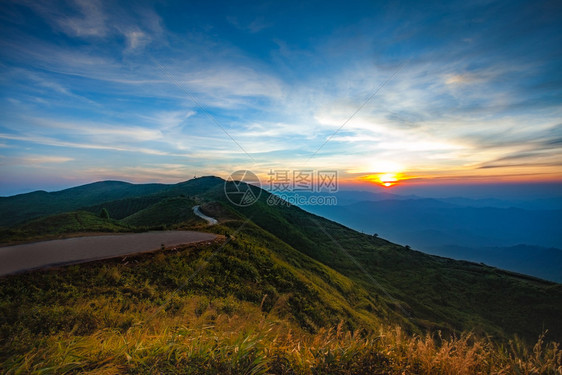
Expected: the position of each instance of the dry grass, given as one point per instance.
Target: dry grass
(204, 339)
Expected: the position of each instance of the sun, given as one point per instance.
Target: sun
(388, 179)
(385, 173)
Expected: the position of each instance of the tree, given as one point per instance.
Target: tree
(104, 214)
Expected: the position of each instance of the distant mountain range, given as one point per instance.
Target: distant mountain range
(522, 236)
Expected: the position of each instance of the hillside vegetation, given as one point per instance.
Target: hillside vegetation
(284, 292)
(23, 207)
(61, 225)
(428, 291)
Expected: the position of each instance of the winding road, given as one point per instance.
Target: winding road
(18, 258)
(209, 219)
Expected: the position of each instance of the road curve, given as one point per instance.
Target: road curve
(209, 219)
(14, 259)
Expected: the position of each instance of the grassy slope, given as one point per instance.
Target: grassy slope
(429, 291)
(253, 305)
(166, 212)
(254, 267)
(121, 208)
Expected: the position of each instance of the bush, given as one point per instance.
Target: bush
(104, 214)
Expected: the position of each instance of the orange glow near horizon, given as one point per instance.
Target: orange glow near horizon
(388, 179)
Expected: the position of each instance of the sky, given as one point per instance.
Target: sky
(431, 92)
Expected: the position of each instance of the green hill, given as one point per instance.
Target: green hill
(23, 207)
(280, 270)
(120, 198)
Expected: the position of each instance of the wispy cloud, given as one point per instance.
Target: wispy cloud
(47, 141)
(253, 26)
(34, 160)
(89, 22)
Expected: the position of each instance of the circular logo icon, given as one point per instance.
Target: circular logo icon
(242, 188)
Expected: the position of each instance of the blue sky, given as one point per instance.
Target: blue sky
(162, 91)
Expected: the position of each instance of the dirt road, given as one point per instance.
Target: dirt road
(19, 258)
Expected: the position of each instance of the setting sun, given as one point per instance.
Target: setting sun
(387, 179)
(385, 173)
(384, 179)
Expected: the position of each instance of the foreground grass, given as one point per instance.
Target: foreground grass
(234, 346)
